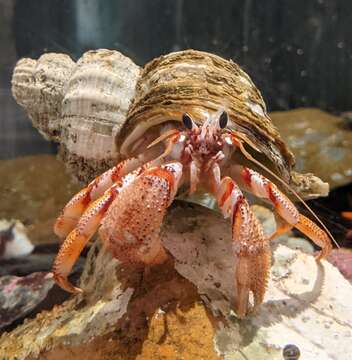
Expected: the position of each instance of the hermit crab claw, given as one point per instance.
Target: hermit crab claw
(130, 226)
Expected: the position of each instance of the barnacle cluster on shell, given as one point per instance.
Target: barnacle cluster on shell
(100, 107)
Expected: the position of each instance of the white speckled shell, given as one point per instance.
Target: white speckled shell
(82, 105)
(97, 97)
(18, 244)
(38, 86)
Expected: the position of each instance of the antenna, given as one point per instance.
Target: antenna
(163, 137)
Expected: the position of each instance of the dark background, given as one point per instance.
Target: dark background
(298, 52)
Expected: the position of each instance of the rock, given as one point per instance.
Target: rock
(182, 308)
(20, 295)
(305, 303)
(14, 241)
(320, 141)
(342, 259)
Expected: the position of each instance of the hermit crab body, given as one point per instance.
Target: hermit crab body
(194, 121)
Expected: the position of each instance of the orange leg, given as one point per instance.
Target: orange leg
(249, 244)
(282, 227)
(317, 235)
(78, 238)
(71, 213)
(264, 188)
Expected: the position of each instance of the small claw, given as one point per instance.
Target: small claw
(254, 255)
(250, 278)
(252, 274)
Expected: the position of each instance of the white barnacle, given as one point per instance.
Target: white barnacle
(256, 108)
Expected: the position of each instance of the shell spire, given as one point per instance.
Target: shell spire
(81, 105)
(38, 86)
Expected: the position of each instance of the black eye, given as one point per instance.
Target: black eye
(223, 119)
(187, 121)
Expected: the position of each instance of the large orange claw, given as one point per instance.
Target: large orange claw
(133, 225)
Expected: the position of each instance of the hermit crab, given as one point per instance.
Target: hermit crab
(188, 121)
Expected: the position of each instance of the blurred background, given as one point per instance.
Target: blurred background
(297, 52)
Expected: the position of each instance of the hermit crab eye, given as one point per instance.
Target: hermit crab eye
(187, 121)
(223, 119)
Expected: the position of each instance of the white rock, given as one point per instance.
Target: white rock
(14, 239)
(306, 303)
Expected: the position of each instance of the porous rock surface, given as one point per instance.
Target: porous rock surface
(182, 309)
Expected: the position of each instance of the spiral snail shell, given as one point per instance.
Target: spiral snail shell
(101, 107)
